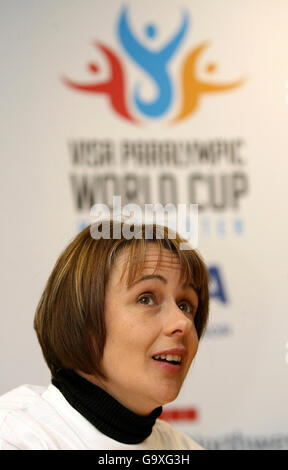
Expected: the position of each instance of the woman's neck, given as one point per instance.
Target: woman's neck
(135, 404)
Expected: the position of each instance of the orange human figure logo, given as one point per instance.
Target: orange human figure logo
(193, 88)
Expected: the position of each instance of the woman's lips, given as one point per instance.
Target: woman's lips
(168, 366)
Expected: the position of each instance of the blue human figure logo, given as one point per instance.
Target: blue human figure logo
(154, 63)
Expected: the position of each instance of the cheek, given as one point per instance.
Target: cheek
(122, 335)
(194, 342)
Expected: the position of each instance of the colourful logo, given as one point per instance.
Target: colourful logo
(155, 64)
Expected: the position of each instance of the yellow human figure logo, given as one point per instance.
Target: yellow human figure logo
(193, 88)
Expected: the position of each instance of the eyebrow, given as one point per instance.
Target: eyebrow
(163, 280)
(151, 276)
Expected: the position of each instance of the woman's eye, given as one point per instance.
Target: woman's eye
(188, 308)
(146, 300)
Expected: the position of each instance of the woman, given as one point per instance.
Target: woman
(119, 323)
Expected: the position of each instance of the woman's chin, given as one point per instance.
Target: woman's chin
(168, 396)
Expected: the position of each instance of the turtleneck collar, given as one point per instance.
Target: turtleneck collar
(102, 410)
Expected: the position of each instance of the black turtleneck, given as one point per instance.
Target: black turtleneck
(103, 411)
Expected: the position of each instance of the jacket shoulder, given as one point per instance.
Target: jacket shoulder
(19, 426)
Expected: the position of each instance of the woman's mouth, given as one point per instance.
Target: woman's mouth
(171, 358)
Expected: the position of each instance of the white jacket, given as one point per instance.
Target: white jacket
(40, 418)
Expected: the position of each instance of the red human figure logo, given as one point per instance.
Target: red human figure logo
(114, 87)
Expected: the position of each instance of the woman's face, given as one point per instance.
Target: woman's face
(154, 317)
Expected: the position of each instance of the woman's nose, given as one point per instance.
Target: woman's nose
(177, 322)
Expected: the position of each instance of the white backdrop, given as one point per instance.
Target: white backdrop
(231, 142)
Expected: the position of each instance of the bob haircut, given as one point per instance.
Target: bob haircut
(70, 318)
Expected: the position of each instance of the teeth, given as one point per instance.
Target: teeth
(169, 357)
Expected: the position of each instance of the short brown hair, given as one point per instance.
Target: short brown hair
(69, 319)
